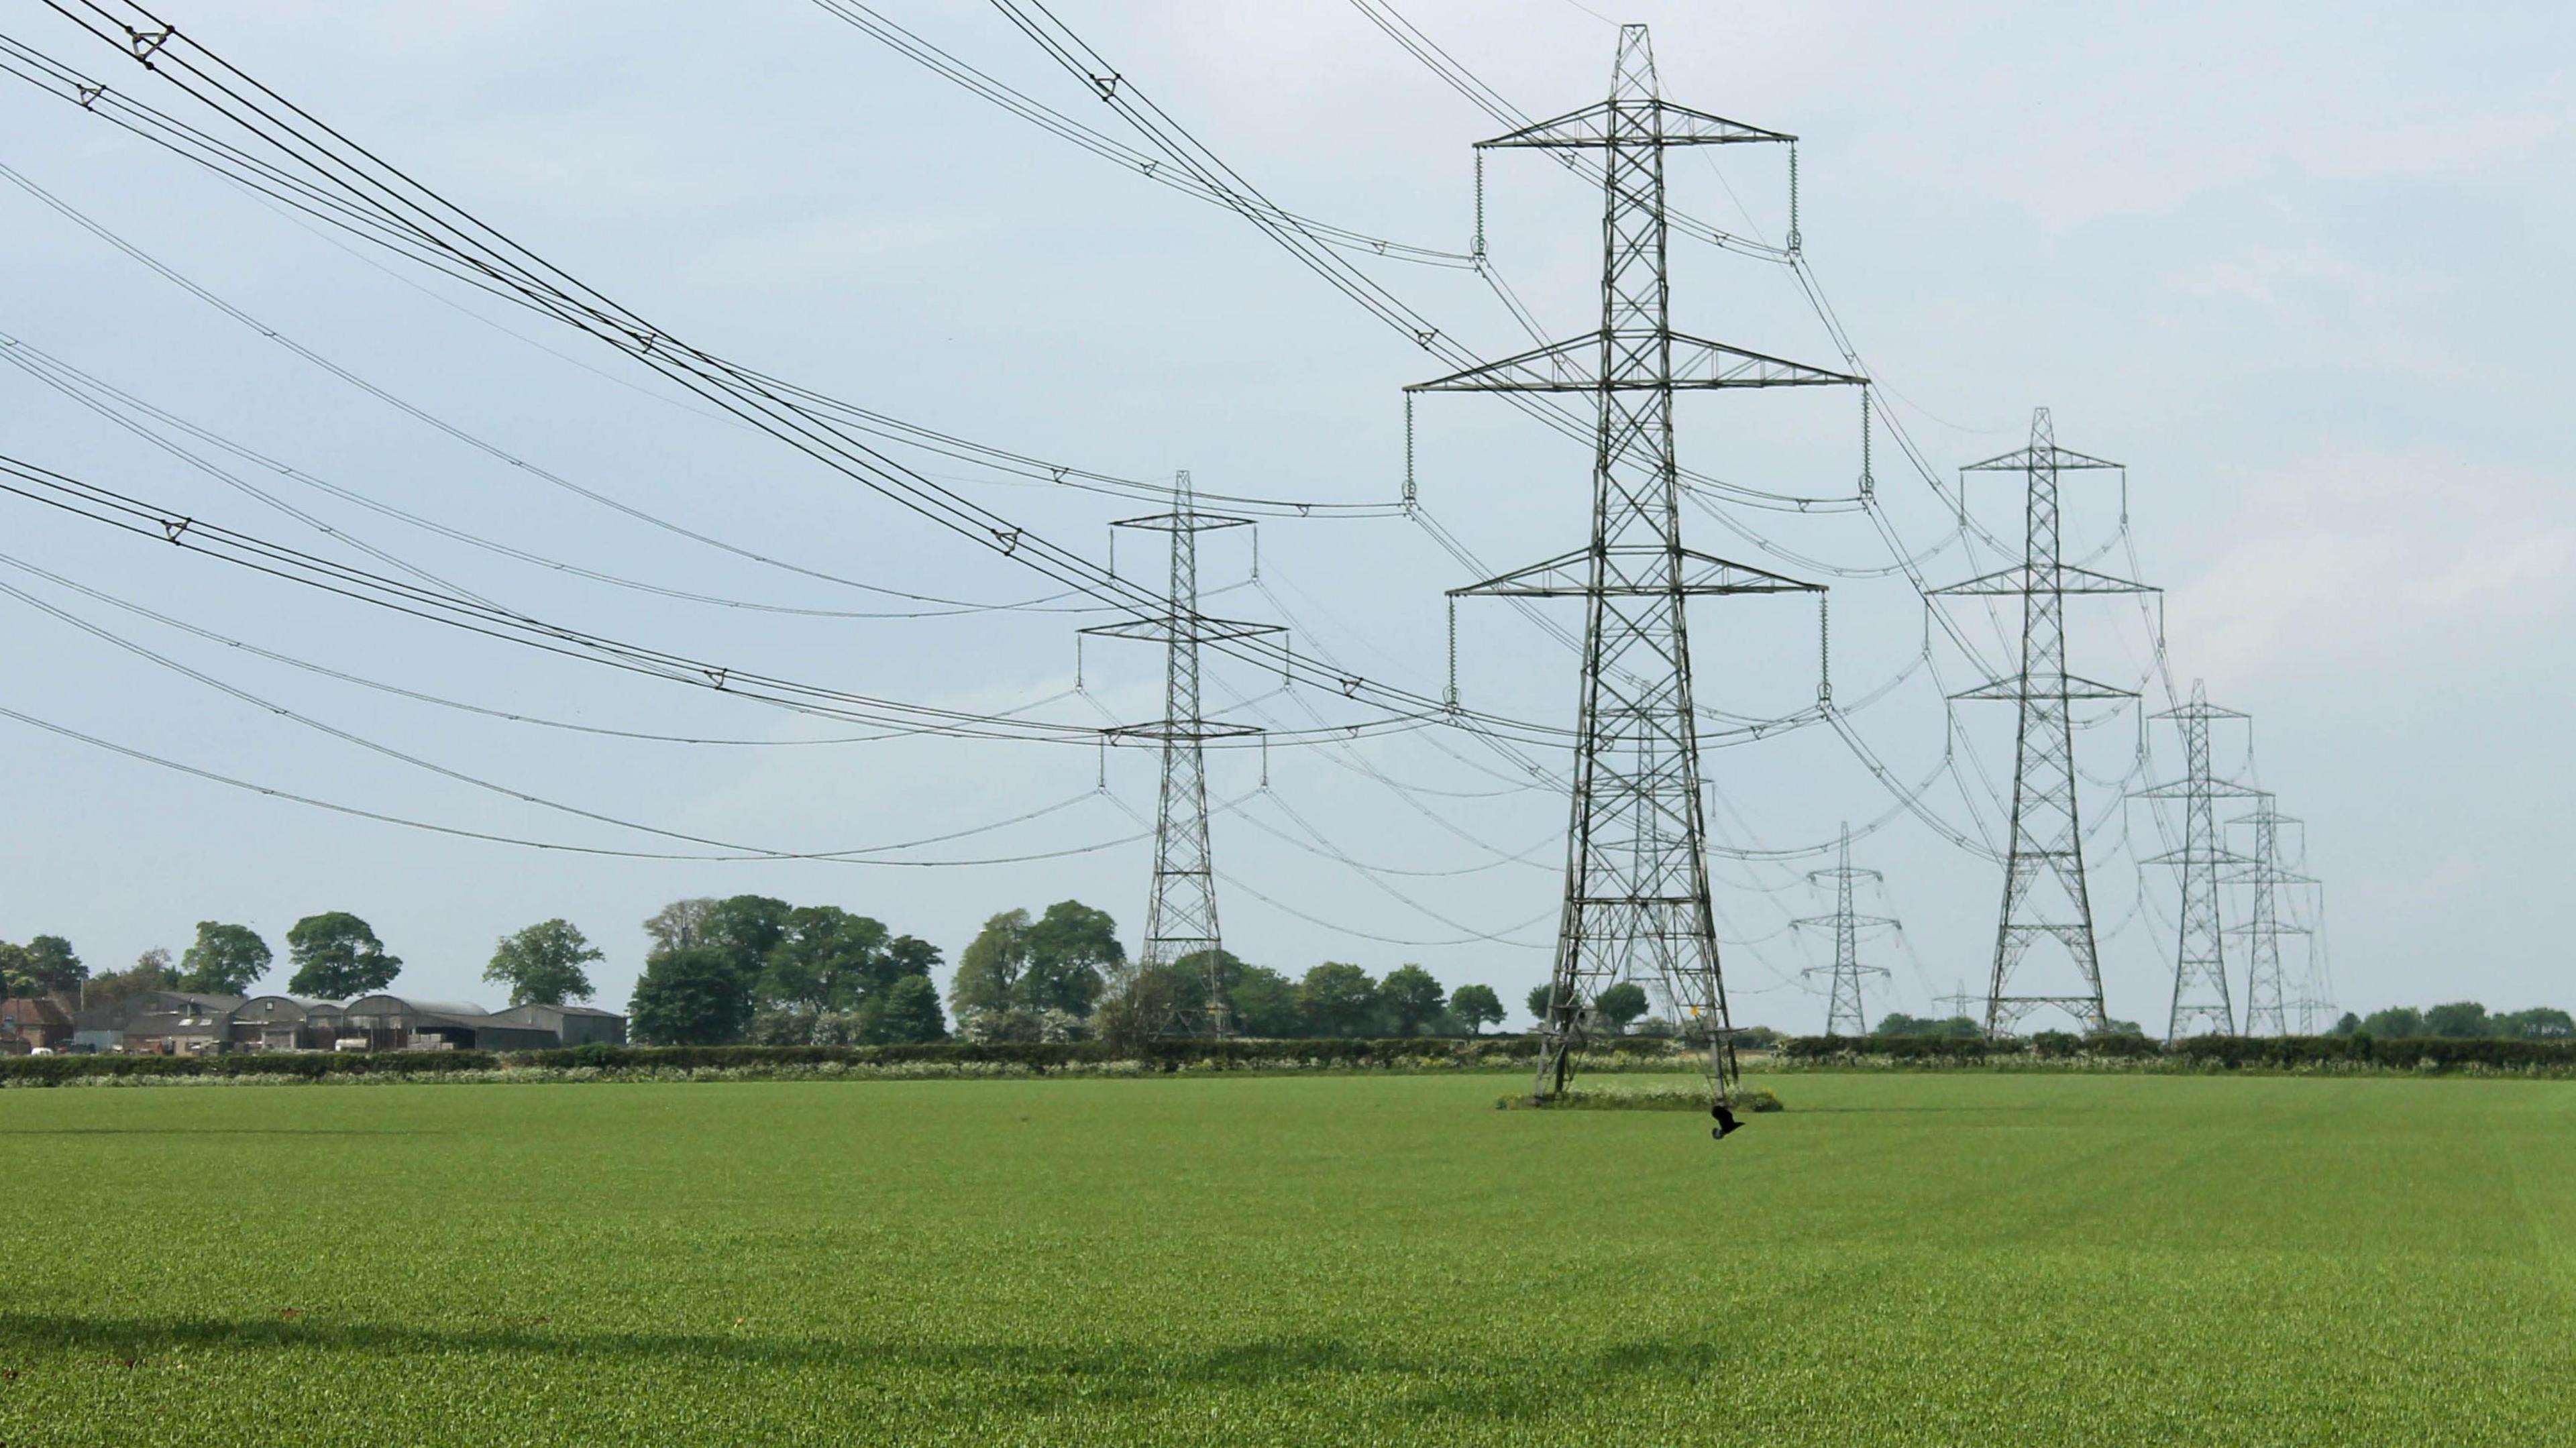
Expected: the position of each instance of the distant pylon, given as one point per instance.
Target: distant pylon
(1844, 1015)
(2045, 894)
(1962, 1002)
(1180, 914)
(1636, 878)
(2200, 998)
(2263, 873)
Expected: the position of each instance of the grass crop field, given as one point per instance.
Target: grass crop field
(1898, 1258)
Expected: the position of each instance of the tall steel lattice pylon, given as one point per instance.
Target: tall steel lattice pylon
(2045, 894)
(1844, 1015)
(1636, 880)
(2200, 999)
(2262, 872)
(1180, 914)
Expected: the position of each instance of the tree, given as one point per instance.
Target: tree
(1410, 999)
(747, 928)
(1620, 1004)
(1539, 997)
(1338, 999)
(990, 967)
(825, 959)
(54, 965)
(694, 996)
(1071, 948)
(2458, 1020)
(1265, 1004)
(2396, 1023)
(542, 965)
(150, 971)
(224, 959)
(1476, 1007)
(680, 924)
(2350, 1025)
(2540, 1023)
(904, 1012)
(337, 957)
(17, 972)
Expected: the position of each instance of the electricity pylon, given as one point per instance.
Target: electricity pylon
(1843, 1013)
(2045, 894)
(2200, 998)
(2263, 873)
(1180, 914)
(1636, 875)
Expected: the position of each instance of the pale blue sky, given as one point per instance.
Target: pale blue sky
(2303, 268)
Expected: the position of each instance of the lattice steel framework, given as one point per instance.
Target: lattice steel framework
(2045, 894)
(2200, 999)
(1180, 913)
(1636, 881)
(1844, 1015)
(2262, 873)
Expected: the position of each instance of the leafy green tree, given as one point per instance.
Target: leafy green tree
(337, 956)
(17, 973)
(825, 959)
(1539, 997)
(697, 995)
(905, 1011)
(1620, 1004)
(990, 967)
(1265, 1004)
(150, 971)
(2350, 1025)
(1476, 1007)
(2541, 1023)
(54, 965)
(1410, 999)
(747, 928)
(2395, 1023)
(542, 965)
(680, 924)
(2458, 1020)
(1071, 949)
(1338, 999)
(224, 959)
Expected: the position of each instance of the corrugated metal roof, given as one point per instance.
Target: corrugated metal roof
(382, 1004)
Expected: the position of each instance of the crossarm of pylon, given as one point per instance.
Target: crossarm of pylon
(1674, 125)
(2185, 789)
(1573, 365)
(1182, 730)
(2023, 459)
(1193, 522)
(1197, 629)
(2014, 687)
(1570, 576)
(2020, 579)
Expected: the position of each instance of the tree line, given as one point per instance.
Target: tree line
(331, 956)
(2459, 1021)
(1062, 975)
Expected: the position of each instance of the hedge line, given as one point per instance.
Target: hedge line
(1034, 1056)
(2225, 1052)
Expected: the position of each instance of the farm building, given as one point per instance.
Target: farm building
(396, 1023)
(285, 1023)
(184, 1023)
(33, 1024)
(171, 1023)
(572, 1025)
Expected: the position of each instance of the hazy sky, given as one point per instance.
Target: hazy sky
(2304, 269)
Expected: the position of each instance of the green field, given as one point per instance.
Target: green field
(1899, 1258)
